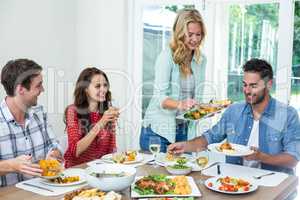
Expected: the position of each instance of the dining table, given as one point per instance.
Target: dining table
(280, 192)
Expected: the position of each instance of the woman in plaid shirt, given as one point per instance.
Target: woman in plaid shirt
(90, 121)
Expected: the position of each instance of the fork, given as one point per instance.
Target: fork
(259, 177)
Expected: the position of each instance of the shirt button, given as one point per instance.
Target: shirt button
(26, 138)
(249, 126)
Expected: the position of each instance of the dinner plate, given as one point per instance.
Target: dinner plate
(108, 158)
(239, 150)
(68, 172)
(216, 184)
(195, 191)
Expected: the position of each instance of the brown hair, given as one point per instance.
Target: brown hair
(19, 71)
(81, 99)
(180, 27)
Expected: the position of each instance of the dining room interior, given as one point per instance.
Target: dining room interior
(123, 38)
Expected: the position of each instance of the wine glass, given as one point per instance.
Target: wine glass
(154, 147)
(202, 158)
(114, 105)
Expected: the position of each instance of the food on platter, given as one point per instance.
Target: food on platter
(162, 185)
(91, 194)
(127, 156)
(182, 186)
(226, 146)
(50, 168)
(66, 179)
(231, 184)
(223, 103)
(201, 111)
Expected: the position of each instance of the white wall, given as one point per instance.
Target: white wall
(102, 42)
(64, 37)
(45, 32)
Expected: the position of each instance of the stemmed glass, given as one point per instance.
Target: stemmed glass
(115, 105)
(154, 147)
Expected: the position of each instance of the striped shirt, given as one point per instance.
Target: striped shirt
(35, 138)
(104, 143)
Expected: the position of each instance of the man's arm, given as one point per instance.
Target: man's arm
(216, 134)
(21, 164)
(282, 159)
(196, 144)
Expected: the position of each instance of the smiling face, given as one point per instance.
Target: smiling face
(30, 97)
(97, 88)
(255, 88)
(193, 36)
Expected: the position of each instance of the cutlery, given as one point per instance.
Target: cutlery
(268, 174)
(211, 165)
(39, 187)
(218, 169)
(108, 175)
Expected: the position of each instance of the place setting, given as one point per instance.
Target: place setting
(55, 180)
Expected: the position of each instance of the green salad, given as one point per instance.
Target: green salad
(180, 164)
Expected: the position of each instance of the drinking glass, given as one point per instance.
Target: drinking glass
(154, 147)
(202, 158)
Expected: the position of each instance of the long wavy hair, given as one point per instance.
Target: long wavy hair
(180, 27)
(81, 98)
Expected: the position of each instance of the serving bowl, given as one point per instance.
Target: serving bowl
(110, 177)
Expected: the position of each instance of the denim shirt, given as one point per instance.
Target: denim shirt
(167, 85)
(279, 131)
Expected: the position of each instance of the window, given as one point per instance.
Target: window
(157, 28)
(252, 34)
(295, 76)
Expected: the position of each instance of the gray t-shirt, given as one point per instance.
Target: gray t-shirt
(187, 91)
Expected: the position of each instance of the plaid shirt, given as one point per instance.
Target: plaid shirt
(36, 138)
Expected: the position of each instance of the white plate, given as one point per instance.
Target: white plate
(239, 150)
(195, 191)
(69, 172)
(217, 184)
(108, 158)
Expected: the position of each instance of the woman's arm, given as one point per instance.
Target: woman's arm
(77, 145)
(178, 105)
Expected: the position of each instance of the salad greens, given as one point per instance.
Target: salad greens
(180, 164)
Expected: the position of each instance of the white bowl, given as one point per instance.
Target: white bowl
(178, 171)
(110, 183)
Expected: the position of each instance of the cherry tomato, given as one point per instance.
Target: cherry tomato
(246, 188)
(210, 184)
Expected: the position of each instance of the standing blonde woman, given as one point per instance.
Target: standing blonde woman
(179, 77)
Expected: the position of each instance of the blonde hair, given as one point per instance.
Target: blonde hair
(179, 50)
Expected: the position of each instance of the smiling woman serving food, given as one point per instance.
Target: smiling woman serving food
(179, 76)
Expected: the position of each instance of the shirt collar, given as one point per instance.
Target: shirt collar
(6, 112)
(8, 115)
(269, 110)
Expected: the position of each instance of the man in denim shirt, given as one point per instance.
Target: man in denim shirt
(271, 128)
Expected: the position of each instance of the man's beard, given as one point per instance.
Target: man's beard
(259, 98)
